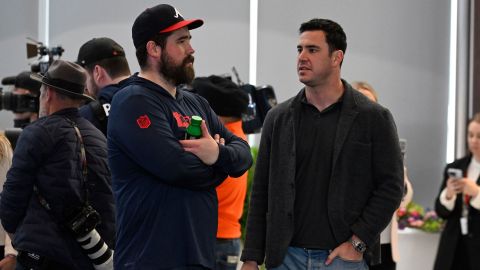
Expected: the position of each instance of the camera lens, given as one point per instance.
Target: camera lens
(96, 249)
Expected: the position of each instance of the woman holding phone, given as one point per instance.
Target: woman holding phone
(459, 204)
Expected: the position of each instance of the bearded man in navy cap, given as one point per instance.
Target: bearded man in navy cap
(164, 186)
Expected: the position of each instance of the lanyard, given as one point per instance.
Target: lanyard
(465, 205)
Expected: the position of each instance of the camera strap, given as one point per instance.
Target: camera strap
(83, 157)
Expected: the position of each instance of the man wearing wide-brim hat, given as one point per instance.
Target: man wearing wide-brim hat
(51, 180)
(63, 87)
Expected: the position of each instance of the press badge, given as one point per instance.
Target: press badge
(464, 225)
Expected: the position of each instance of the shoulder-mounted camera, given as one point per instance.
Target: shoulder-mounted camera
(45, 55)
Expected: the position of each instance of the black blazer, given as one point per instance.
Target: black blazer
(451, 234)
(366, 185)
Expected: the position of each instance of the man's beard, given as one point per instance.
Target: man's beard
(181, 74)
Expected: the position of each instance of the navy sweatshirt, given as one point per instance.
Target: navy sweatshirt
(165, 196)
(98, 113)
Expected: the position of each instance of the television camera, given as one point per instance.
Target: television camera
(260, 100)
(45, 55)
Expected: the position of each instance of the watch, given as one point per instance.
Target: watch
(358, 245)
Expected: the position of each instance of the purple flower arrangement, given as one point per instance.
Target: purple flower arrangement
(415, 216)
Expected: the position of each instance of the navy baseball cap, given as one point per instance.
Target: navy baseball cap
(159, 19)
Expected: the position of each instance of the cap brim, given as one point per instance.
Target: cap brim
(10, 80)
(192, 24)
(42, 79)
(37, 77)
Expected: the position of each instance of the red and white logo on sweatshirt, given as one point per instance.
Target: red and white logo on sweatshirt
(182, 121)
(143, 121)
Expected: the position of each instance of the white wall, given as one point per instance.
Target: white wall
(18, 20)
(400, 47)
(222, 42)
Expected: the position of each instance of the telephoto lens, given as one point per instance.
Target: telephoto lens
(96, 249)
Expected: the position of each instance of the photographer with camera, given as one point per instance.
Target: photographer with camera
(22, 101)
(108, 71)
(58, 181)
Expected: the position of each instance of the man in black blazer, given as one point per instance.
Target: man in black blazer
(329, 172)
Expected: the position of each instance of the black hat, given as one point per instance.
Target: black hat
(65, 77)
(159, 19)
(23, 80)
(224, 96)
(98, 49)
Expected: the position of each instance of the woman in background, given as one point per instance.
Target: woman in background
(458, 203)
(389, 236)
(7, 252)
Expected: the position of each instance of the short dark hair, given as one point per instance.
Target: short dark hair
(115, 67)
(334, 34)
(160, 39)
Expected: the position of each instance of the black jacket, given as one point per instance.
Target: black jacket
(451, 234)
(48, 156)
(366, 184)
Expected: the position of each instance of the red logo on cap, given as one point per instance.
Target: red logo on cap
(143, 121)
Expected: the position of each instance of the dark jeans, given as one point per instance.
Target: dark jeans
(309, 259)
(227, 252)
(387, 259)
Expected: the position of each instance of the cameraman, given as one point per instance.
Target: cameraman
(24, 89)
(59, 167)
(24, 85)
(229, 102)
(104, 59)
